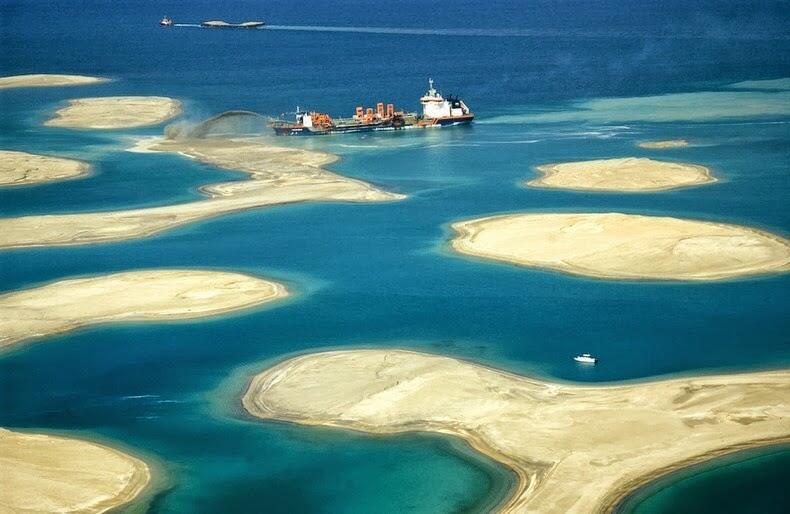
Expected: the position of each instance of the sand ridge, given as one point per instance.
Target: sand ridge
(46, 473)
(22, 168)
(140, 295)
(575, 449)
(630, 174)
(665, 144)
(115, 112)
(277, 175)
(48, 80)
(780, 84)
(624, 246)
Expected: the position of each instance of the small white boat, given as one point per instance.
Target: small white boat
(586, 358)
(166, 22)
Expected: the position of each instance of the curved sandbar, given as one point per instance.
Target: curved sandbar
(781, 84)
(661, 145)
(574, 448)
(22, 168)
(113, 112)
(45, 473)
(624, 246)
(142, 295)
(48, 80)
(630, 174)
(277, 176)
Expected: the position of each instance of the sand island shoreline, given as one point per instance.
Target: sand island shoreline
(26, 169)
(626, 175)
(276, 176)
(656, 426)
(664, 144)
(115, 112)
(619, 246)
(48, 80)
(619, 496)
(154, 295)
(92, 476)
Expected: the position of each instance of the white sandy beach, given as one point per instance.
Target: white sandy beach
(48, 80)
(624, 246)
(23, 169)
(45, 473)
(630, 174)
(115, 112)
(277, 175)
(140, 295)
(575, 449)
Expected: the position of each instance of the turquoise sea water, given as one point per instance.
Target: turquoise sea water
(548, 81)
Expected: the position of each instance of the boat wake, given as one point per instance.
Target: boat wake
(532, 33)
(217, 24)
(518, 33)
(411, 31)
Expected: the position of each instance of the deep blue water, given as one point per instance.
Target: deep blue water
(378, 274)
(719, 486)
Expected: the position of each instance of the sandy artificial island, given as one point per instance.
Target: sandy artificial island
(143, 295)
(48, 80)
(575, 449)
(630, 174)
(114, 112)
(624, 246)
(22, 168)
(277, 175)
(662, 145)
(45, 473)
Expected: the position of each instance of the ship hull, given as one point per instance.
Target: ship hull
(298, 130)
(448, 121)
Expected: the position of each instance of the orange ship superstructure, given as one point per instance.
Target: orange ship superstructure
(437, 112)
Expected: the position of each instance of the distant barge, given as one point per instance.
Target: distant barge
(437, 111)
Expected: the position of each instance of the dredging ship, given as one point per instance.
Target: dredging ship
(437, 111)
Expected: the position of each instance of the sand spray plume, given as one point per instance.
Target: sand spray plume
(228, 123)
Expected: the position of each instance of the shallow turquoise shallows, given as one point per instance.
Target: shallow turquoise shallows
(548, 82)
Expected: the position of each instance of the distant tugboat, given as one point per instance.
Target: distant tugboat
(437, 111)
(586, 358)
(166, 22)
